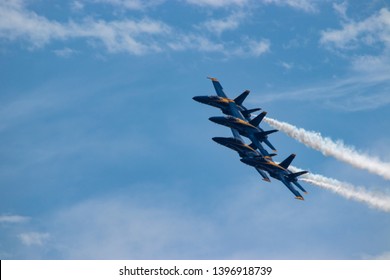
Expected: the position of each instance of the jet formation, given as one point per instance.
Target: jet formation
(239, 119)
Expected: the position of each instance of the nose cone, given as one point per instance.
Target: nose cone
(201, 99)
(219, 120)
(219, 140)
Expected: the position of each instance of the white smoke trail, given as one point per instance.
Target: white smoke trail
(337, 149)
(373, 199)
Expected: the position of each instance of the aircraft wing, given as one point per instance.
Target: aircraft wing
(218, 87)
(263, 174)
(292, 189)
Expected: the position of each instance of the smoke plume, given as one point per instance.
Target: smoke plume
(373, 199)
(336, 149)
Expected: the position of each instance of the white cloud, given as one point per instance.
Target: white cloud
(219, 26)
(34, 238)
(365, 44)
(361, 91)
(375, 29)
(377, 66)
(247, 48)
(136, 37)
(305, 5)
(341, 9)
(195, 42)
(65, 52)
(116, 36)
(259, 47)
(218, 3)
(285, 65)
(119, 228)
(383, 256)
(77, 6)
(130, 4)
(13, 219)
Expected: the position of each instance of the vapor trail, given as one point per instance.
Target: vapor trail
(373, 199)
(337, 149)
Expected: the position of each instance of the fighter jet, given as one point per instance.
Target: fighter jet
(244, 150)
(248, 129)
(228, 106)
(278, 171)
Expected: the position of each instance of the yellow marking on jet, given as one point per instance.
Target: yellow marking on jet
(240, 121)
(225, 100)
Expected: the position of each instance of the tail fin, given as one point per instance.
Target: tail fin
(217, 86)
(256, 121)
(286, 163)
(239, 99)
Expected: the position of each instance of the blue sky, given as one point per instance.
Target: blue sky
(104, 154)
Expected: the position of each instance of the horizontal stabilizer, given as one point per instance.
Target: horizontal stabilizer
(246, 113)
(256, 121)
(297, 174)
(268, 143)
(239, 99)
(299, 186)
(286, 163)
(263, 174)
(262, 135)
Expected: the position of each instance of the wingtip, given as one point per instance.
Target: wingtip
(213, 79)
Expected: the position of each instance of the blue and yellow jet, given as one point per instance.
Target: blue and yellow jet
(232, 107)
(249, 129)
(239, 120)
(278, 171)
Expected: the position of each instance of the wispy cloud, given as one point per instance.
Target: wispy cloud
(341, 9)
(130, 4)
(359, 92)
(34, 238)
(371, 31)
(219, 26)
(382, 256)
(218, 3)
(251, 48)
(304, 5)
(116, 36)
(137, 37)
(65, 52)
(13, 219)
